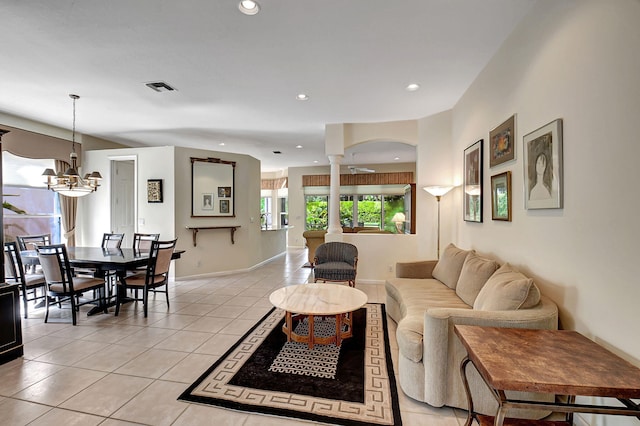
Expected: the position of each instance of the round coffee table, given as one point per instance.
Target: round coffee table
(318, 300)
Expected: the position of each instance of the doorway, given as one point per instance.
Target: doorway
(123, 207)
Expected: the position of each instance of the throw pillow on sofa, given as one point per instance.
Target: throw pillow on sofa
(448, 268)
(507, 290)
(475, 272)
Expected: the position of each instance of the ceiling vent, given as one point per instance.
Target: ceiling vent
(160, 86)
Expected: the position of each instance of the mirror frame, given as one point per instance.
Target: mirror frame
(213, 187)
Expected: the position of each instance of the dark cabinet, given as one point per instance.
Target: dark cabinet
(10, 324)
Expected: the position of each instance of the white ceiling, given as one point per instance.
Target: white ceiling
(237, 76)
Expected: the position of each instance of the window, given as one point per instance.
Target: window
(375, 210)
(316, 212)
(29, 207)
(284, 215)
(266, 211)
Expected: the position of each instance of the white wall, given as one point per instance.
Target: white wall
(94, 212)
(579, 61)
(214, 253)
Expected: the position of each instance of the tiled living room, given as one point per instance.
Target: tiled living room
(121, 370)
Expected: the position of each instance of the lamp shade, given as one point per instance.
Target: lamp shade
(398, 217)
(438, 190)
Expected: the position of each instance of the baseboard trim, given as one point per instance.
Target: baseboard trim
(230, 271)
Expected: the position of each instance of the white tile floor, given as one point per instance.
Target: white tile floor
(123, 370)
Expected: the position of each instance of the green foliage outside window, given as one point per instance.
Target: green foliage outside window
(317, 212)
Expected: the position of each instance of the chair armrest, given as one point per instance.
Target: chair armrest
(419, 269)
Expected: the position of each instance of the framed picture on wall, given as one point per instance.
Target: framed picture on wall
(501, 196)
(154, 190)
(502, 142)
(224, 206)
(472, 193)
(543, 167)
(207, 201)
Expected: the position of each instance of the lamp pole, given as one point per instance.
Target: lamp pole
(438, 191)
(438, 249)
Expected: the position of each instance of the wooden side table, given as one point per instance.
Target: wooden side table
(558, 362)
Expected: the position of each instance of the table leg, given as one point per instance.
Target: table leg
(467, 391)
(311, 331)
(338, 329)
(289, 325)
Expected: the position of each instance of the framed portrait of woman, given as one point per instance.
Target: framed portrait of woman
(543, 167)
(472, 193)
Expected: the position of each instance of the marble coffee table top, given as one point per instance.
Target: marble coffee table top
(318, 299)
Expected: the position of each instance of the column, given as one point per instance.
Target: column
(334, 200)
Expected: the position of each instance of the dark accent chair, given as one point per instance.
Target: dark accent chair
(63, 285)
(14, 273)
(336, 261)
(155, 276)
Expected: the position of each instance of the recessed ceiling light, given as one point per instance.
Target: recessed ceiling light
(302, 97)
(315, 161)
(249, 7)
(298, 146)
(413, 87)
(277, 152)
(221, 144)
(397, 158)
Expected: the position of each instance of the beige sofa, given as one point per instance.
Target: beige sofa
(426, 299)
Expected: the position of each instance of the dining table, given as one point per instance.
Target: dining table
(104, 261)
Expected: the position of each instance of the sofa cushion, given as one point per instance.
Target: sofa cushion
(507, 290)
(448, 268)
(475, 272)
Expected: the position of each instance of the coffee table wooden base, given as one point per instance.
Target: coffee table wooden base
(311, 338)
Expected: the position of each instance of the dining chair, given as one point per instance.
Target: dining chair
(30, 242)
(336, 261)
(110, 240)
(142, 242)
(63, 285)
(14, 273)
(155, 275)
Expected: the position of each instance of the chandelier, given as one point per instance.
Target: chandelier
(70, 183)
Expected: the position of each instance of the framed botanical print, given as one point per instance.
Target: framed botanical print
(154, 190)
(501, 196)
(502, 142)
(472, 193)
(543, 167)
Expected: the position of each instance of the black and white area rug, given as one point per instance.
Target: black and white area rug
(262, 373)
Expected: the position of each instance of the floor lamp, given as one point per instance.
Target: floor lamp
(438, 191)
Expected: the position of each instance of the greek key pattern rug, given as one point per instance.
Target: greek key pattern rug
(363, 392)
(297, 358)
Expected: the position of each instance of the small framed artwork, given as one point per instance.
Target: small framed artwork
(207, 201)
(154, 190)
(224, 191)
(472, 193)
(543, 167)
(501, 196)
(502, 142)
(224, 206)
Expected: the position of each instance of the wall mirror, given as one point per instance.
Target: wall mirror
(212, 187)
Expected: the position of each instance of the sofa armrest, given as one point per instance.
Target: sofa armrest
(419, 269)
(443, 352)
